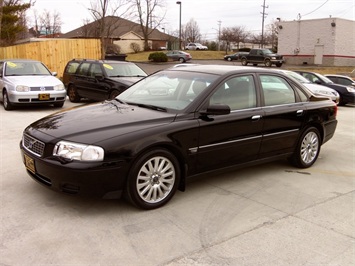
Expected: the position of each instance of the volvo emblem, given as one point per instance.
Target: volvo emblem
(30, 144)
(42, 88)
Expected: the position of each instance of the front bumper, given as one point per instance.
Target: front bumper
(36, 97)
(95, 179)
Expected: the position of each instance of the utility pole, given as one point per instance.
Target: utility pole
(262, 26)
(219, 34)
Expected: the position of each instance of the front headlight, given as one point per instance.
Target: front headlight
(350, 89)
(22, 88)
(79, 152)
(59, 87)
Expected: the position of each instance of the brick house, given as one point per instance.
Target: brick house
(328, 41)
(123, 32)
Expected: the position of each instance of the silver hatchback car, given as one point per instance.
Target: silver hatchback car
(29, 82)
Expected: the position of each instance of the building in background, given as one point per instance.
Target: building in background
(328, 42)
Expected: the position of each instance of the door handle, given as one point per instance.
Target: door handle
(299, 112)
(255, 117)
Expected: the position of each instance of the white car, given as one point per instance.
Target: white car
(195, 46)
(315, 88)
(29, 82)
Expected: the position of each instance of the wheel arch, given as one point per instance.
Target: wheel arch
(318, 126)
(175, 151)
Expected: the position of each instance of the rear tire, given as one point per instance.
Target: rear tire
(181, 60)
(153, 179)
(307, 149)
(244, 62)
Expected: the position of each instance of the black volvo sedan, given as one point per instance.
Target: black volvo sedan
(175, 124)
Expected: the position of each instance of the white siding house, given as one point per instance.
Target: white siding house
(328, 42)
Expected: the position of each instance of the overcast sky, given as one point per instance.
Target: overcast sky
(209, 14)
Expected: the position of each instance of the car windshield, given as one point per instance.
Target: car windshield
(297, 76)
(167, 90)
(267, 51)
(123, 70)
(325, 79)
(26, 69)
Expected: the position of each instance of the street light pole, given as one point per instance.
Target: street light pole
(179, 3)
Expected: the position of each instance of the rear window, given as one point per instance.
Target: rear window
(71, 67)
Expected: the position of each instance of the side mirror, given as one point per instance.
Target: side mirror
(99, 77)
(54, 74)
(216, 109)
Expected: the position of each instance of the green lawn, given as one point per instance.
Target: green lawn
(218, 55)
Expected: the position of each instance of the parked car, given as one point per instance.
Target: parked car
(195, 46)
(341, 79)
(180, 56)
(315, 88)
(235, 56)
(29, 82)
(99, 79)
(262, 56)
(347, 93)
(174, 124)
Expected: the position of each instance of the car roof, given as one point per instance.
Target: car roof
(224, 69)
(19, 60)
(99, 61)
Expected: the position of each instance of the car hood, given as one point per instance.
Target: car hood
(34, 81)
(126, 80)
(316, 87)
(93, 123)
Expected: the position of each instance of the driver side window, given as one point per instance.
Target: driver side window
(238, 93)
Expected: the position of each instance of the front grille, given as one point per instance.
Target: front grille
(33, 145)
(43, 88)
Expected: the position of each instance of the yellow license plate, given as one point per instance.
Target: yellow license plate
(44, 97)
(30, 164)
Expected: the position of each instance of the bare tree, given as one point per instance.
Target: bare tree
(234, 35)
(50, 23)
(148, 16)
(192, 31)
(100, 10)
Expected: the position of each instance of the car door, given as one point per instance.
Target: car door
(225, 140)
(283, 116)
(80, 79)
(96, 86)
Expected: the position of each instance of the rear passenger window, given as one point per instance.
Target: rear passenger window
(83, 69)
(276, 90)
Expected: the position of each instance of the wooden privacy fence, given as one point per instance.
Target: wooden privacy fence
(54, 53)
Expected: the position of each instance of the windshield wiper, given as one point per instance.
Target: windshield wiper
(149, 106)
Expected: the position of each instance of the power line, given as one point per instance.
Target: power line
(314, 9)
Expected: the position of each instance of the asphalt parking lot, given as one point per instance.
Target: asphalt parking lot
(271, 214)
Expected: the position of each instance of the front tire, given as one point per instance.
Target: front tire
(73, 94)
(229, 59)
(268, 63)
(307, 149)
(6, 101)
(153, 179)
